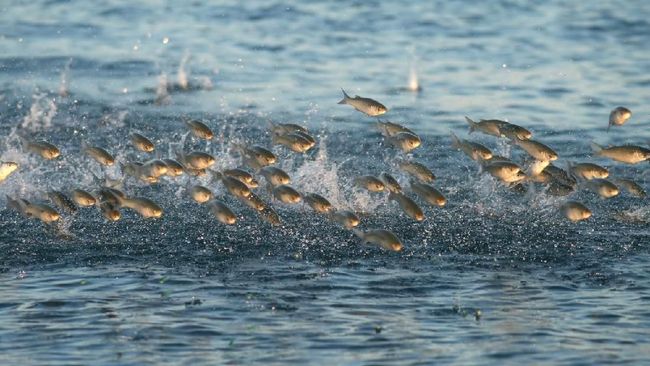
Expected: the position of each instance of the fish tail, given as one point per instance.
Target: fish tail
(358, 233)
(596, 148)
(471, 123)
(345, 97)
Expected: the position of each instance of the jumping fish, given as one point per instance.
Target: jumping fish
(368, 106)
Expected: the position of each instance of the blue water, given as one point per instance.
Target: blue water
(494, 277)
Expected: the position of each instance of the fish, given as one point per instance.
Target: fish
(631, 186)
(558, 189)
(200, 129)
(489, 127)
(388, 128)
(368, 106)
(505, 171)
(318, 203)
(618, 116)
(111, 195)
(537, 150)
(587, 171)
(196, 160)
(200, 194)
(110, 211)
(346, 218)
(372, 184)
(293, 141)
(42, 212)
(153, 168)
(99, 154)
(256, 157)
(269, 215)
(603, 187)
(62, 201)
(222, 212)
(253, 201)
(404, 141)
(560, 175)
(43, 148)
(409, 206)
(630, 154)
(142, 143)
(514, 132)
(417, 170)
(472, 149)
(83, 198)
(286, 194)
(390, 182)
(7, 168)
(428, 193)
(236, 187)
(136, 170)
(575, 211)
(286, 128)
(275, 176)
(536, 168)
(382, 238)
(174, 168)
(308, 137)
(244, 176)
(143, 206)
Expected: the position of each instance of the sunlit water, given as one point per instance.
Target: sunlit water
(494, 277)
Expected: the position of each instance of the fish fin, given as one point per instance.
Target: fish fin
(455, 142)
(471, 123)
(345, 97)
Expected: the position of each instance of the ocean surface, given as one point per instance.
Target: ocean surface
(495, 277)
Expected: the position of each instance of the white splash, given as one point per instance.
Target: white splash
(64, 87)
(40, 114)
(162, 93)
(183, 73)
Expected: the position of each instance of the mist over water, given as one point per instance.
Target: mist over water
(493, 277)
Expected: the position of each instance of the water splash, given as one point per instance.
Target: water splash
(182, 75)
(64, 86)
(41, 113)
(162, 91)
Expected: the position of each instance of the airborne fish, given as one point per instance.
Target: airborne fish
(390, 182)
(199, 129)
(629, 154)
(631, 186)
(286, 194)
(346, 218)
(43, 148)
(99, 154)
(142, 143)
(200, 194)
(6, 168)
(587, 171)
(275, 176)
(417, 170)
(603, 187)
(368, 106)
(575, 211)
(404, 141)
(42, 212)
(472, 149)
(318, 203)
(536, 149)
(408, 206)
(222, 212)
(618, 116)
(380, 237)
(370, 183)
(429, 194)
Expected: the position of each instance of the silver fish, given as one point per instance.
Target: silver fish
(505, 171)
(293, 141)
(382, 238)
(631, 186)
(346, 218)
(62, 201)
(408, 206)
(575, 211)
(244, 176)
(417, 170)
(318, 203)
(275, 176)
(603, 187)
(100, 155)
(404, 141)
(618, 116)
(43, 148)
(6, 168)
(390, 129)
(83, 198)
(286, 128)
(236, 187)
(144, 206)
(174, 168)
(629, 154)
(256, 157)
(42, 212)
(587, 171)
(196, 160)
(200, 129)
(390, 182)
(253, 201)
(489, 127)
(110, 211)
(428, 193)
(286, 194)
(222, 212)
(370, 183)
(472, 149)
(368, 106)
(200, 194)
(142, 143)
(537, 150)
(269, 215)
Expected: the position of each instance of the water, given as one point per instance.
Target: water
(492, 278)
